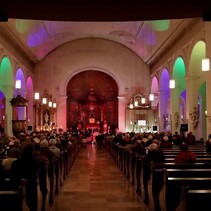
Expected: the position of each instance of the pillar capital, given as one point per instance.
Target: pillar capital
(192, 78)
(121, 98)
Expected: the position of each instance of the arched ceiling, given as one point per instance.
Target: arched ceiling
(146, 27)
(109, 10)
(83, 87)
(147, 39)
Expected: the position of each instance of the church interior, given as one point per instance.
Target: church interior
(108, 68)
(112, 58)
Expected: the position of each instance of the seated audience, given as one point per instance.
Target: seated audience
(154, 155)
(191, 139)
(2, 149)
(45, 151)
(13, 154)
(176, 139)
(185, 156)
(26, 167)
(53, 147)
(208, 144)
(165, 143)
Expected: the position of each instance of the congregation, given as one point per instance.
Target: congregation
(22, 157)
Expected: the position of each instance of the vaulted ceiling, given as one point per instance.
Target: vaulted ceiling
(146, 27)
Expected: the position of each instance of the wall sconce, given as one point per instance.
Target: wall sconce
(47, 100)
(18, 84)
(36, 96)
(172, 84)
(205, 64)
(207, 116)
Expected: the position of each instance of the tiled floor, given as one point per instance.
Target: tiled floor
(96, 183)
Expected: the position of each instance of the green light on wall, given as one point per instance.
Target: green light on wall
(6, 74)
(25, 26)
(160, 25)
(179, 73)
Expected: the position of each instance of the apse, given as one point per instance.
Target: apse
(92, 101)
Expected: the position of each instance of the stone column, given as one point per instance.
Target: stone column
(121, 113)
(8, 117)
(174, 112)
(192, 104)
(163, 108)
(208, 78)
(61, 112)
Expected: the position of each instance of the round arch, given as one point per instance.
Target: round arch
(178, 95)
(197, 88)
(21, 111)
(92, 100)
(20, 76)
(164, 108)
(7, 87)
(107, 72)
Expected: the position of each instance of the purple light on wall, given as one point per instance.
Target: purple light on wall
(37, 37)
(20, 76)
(149, 37)
(164, 82)
(1, 95)
(183, 95)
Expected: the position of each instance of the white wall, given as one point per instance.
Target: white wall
(55, 71)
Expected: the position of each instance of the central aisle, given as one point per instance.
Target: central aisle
(96, 183)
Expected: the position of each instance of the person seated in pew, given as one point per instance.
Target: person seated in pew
(154, 155)
(26, 167)
(138, 148)
(54, 148)
(165, 142)
(176, 139)
(173, 198)
(185, 156)
(208, 144)
(13, 154)
(45, 151)
(2, 148)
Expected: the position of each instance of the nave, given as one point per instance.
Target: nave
(96, 183)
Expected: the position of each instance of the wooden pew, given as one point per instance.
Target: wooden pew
(197, 199)
(161, 173)
(10, 196)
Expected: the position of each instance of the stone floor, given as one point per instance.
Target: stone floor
(96, 183)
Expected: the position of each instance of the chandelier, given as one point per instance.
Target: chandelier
(139, 102)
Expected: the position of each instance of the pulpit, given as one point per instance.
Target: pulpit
(18, 125)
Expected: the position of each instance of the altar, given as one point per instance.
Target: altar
(92, 125)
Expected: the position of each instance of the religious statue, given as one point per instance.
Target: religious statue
(194, 117)
(46, 117)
